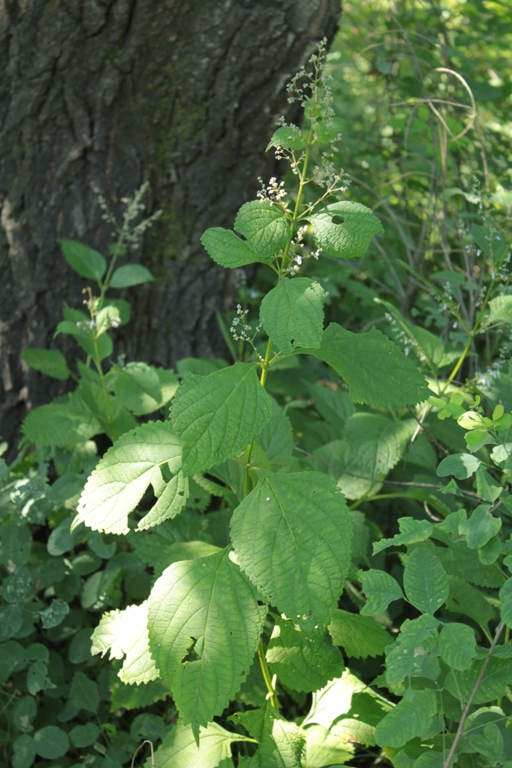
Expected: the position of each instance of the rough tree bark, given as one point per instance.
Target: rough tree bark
(98, 96)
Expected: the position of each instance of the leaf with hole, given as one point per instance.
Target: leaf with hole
(345, 229)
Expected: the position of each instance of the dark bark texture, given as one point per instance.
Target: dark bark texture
(99, 96)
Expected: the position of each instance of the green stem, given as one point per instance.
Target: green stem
(113, 432)
(248, 452)
(268, 679)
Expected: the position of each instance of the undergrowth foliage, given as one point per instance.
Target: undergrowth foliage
(235, 576)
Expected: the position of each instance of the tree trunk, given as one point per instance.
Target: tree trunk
(99, 96)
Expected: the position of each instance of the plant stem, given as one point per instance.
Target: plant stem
(478, 683)
(268, 680)
(97, 362)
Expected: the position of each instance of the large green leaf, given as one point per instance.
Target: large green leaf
(144, 389)
(469, 601)
(460, 465)
(265, 227)
(130, 274)
(328, 746)
(123, 475)
(457, 645)
(280, 742)
(460, 561)
(481, 527)
(125, 634)
(292, 313)
(345, 229)
(425, 580)
(410, 718)
(302, 662)
(204, 627)
(180, 749)
(376, 442)
(292, 535)
(276, 438)
(217, 416)
(228, 250)
(360, 636)
(376, 370)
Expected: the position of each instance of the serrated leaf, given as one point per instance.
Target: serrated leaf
(217, 416)
(60, 424)
(500, 310)
(292, 535)
(425, 580)
(407, 656)
(280, 742)
(457, 645)
(460, 465)
(48, 361)
(265, 226)
(334, 700)
(83, 260)
(276, 438)
(506, 602)
(130, 274)
(123, 475)
(287, 137)
(376, 370)
(135, 696)
(360, 636)
(228, 250)
(292, 313)
(345, 229)
(481, 527)
(179, 749)
(380, 589)
(302, 662)
(411, 532)
(409, 719)
(204, 626)
(125, 634)
(144, 389)
(376, 442)
(327, 746)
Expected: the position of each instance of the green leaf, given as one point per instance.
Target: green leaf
(180, 749)
(425, 580)
(489, 241)
(84, 693)
(345, 229)
(406, 657)
(217, 416)
(144, 389)
(51, 742)
(84, 735)
(24, 752)
(481, 527)
(302, 662)
(409, 719)
(335, 406)
(23, 712)
(327, 746)
(376, 442)
(228, 250)
(130, 274)
(292, 313)
(48, 361)
(54, 614)
(494, 684)
(376, 370)
(17, 586)
(500, 310)
(506, 602)
(457, 645)
(411, 532)
(280, 742)
(15, 545)
(460, 465)
(60, 424)
(467, 600)
(360, 636)
(265, 226)
(380, 589)
(276, 438)
(486, 486)
(125, 634)
(286, 137)
(204, 627)
(83, 260)
(37, 678)
(123, 475)
(458, 560)
(292, 535)
(335, 699)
